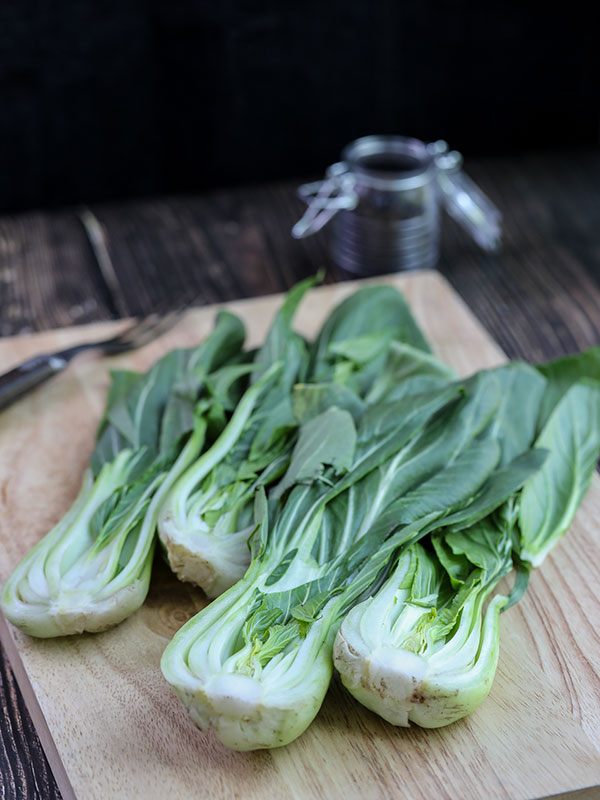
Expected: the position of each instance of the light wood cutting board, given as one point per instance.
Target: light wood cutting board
(110, 724)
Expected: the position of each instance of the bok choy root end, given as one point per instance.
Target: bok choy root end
(406, 661)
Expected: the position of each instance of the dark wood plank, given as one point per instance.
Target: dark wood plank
(24, 769)
(539, 297)
(48, 275)
(218, 247)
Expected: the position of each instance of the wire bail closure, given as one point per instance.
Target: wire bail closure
(325, 198)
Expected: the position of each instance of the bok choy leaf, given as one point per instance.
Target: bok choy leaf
(550, 500)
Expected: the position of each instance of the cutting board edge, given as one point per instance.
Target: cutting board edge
(35, 710)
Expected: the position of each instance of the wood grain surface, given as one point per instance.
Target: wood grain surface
(118, 729)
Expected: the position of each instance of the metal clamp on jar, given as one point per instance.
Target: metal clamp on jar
(384, 198)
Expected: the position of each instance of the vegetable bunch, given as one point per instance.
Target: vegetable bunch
(349, 502)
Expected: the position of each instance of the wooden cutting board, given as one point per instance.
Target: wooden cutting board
(110, 724)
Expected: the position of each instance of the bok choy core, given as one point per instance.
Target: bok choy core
(420, 648)
(92, 570)
(419, 651)
(255, 664)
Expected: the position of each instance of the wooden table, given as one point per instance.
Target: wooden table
(539, 298)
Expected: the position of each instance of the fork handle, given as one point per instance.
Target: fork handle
(20, 380)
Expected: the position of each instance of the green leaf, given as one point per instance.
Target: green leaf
(128, 506)
(328, 439)
(145, 411)
(521, 582)
(447, 487)
(310, 609)
(550, 499)
(522, 390)
(109, 440)
(259, 621)
(311, 399)
(281, 568)
(281, 343)
(562, 374)
(278, 638)
(138, 415)
(361, 349)
(456, 565)
(373, 310)
(276, 423)
(484, 544)
(223, 344)
(503, 483)
(403, 363)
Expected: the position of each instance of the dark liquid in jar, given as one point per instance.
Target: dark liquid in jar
(390, 163)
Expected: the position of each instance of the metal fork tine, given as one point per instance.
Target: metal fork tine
(138, 328)
(154, 327)
(143, 331)
(139, 324)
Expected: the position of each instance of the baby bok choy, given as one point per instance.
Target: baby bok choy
(208, 516)
(256, 663)
(92, 570)
(422, 649)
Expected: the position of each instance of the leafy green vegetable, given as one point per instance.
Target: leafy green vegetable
(418, 650)
(92, 570)
(207, 519)
(259, 678)
(403, 363)
(522, 390)
(352, 489)
(328, 439)
(352, 346)
(202, 529)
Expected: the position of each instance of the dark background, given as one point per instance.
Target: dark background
(109, 99)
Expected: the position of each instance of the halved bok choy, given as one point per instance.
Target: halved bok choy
(423, 648)
(92, 570)
(207, 517)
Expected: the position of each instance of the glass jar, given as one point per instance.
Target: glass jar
(384, 201)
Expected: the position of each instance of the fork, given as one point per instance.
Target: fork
(31, 373)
